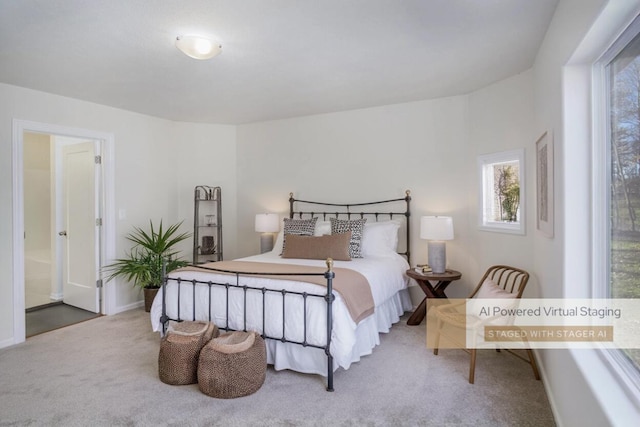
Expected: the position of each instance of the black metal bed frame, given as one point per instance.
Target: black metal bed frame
(347, 211)
(329, 274)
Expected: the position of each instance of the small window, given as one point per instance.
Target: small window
(501, 204)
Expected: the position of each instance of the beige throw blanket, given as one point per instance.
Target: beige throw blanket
(352, 286)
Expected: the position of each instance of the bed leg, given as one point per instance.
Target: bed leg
(329, 275)
(329, 373)
(164, 319)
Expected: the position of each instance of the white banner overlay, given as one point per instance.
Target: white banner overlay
(535, 323)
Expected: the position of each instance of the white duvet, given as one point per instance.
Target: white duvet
(348, 341)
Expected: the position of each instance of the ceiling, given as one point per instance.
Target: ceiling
(280, 58)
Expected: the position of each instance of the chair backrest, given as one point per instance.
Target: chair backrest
(510, 279)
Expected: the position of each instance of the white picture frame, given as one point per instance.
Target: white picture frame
(544, 184)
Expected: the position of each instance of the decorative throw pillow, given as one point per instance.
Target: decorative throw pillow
(335, 246)
(299, 227)
(490, 290)
(356, 227)
(380, 238)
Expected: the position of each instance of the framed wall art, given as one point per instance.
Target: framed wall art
(544, 184)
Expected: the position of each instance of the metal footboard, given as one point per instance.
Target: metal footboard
(328, 297)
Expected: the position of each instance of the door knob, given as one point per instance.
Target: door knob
(62, 233)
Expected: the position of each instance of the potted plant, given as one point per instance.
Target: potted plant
(143, 265)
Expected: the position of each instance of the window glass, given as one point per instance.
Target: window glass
(623, 74)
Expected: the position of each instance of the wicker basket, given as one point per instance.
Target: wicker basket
(180, 349)
(232, 365)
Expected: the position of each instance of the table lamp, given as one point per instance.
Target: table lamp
(267, 224)
(436, 229)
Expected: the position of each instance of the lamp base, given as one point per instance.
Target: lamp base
(437, 256)
(266, 242)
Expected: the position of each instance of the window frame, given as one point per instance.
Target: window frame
(624, 369)
(485, 163)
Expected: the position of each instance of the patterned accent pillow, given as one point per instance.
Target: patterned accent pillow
(356, 227)
(300, 227)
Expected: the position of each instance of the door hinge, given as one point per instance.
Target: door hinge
(98, 160)
(99, 222)
(99, 283)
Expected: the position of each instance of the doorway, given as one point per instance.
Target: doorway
(63, 226)
(62, 190)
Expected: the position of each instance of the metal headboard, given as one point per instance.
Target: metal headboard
(358, 210)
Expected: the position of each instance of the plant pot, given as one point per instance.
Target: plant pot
(149, 295)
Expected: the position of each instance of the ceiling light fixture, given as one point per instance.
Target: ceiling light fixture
(198, 47)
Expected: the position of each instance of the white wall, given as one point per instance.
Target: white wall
(148, 183)
(358, 156)
(501, 119)
(428, 147)
(207, 155)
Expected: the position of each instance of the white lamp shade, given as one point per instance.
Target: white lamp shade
(267, 223)
(198, 47)
(436, 228)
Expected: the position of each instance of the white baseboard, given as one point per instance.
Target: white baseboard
(7, 343)
(548, 390)
(123, 308)
(56, 296)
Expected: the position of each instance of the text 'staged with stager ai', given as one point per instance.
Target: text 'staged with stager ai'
(534, 323)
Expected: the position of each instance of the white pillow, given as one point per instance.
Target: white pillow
(277, 246)
(380, 238)
(322, 228)
(490, 290)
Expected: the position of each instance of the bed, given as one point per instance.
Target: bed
(317, 313)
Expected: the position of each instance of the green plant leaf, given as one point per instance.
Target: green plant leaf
(143, 265)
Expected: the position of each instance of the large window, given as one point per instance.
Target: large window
(622, 76)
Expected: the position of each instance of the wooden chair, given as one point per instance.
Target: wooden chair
(507, 279)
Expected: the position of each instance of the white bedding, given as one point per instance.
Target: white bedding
(348, 341)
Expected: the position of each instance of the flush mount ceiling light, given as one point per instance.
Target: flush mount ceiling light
(198, 47)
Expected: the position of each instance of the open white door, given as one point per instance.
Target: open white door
(81, 232)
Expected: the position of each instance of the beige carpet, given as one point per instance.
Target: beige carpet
(104, 372)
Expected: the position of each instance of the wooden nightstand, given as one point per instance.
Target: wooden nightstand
(437, 291)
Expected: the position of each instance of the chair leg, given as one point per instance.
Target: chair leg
(534, 366)
(437, 341)
(472, 366)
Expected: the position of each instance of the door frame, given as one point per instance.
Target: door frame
(107, 231)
